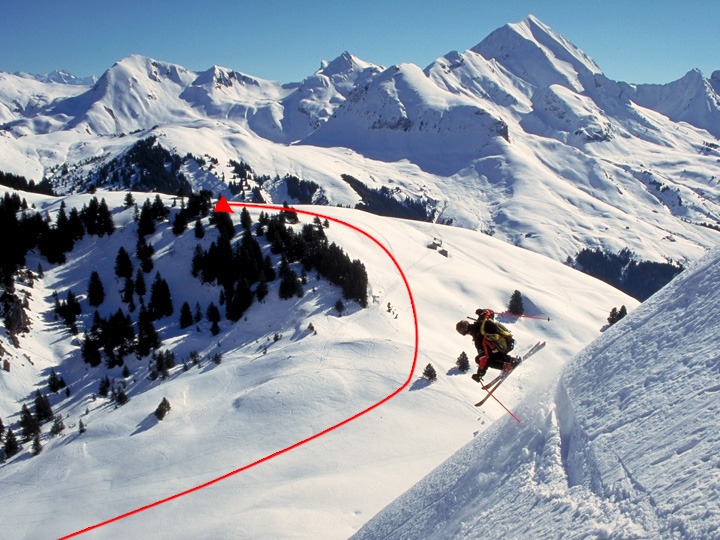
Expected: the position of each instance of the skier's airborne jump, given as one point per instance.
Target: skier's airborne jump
(493, 342)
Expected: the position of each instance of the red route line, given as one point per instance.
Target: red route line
(313, 437)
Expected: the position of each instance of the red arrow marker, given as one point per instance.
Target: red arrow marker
(223, 205)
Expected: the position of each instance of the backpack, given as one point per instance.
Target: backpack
(503, 339)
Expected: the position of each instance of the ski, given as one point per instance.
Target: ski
(491, 391)
(497, 381)
(489, 385)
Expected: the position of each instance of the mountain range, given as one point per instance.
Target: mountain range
(504, 168)
(521, 136)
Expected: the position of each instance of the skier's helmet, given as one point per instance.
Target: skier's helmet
(463, 327)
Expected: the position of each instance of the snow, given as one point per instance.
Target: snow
(225, 417)
(624, 445)
(522, 138)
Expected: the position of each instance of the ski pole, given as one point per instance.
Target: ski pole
(492, 394)
(539, 317)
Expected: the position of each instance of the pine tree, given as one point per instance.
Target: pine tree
(339, 306)
(429, 373)
(28, 423)
(104, 220)
(43, 410)
(162, 409)
(180, 223)
(104, 388)
(164, 362)
(121, 397)
(261, 290)
(515, 306)
(146, 223)
(213, 315)
(96, 291)
(148, 338)
(75, 225)
(58, 425)
(198, 313)
(239, 301)
(70, 309)
(186, 316)
(55, 383)
(160, 304)
(90, 350)
(245, 219)
(616, 315)
(11, 445)
(463, 363)
(129, 200)
(199, 230)
(81, 427)
(2, 427)
(140, 289)
(123, 264)
(37, 445)
(159, 210)
(223, 223)
(198, 261)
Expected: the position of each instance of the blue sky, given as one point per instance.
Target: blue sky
(633, 40)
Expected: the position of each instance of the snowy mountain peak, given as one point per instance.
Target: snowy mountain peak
(343, 64)
(535, 53)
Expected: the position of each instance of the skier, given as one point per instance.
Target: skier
(493, 342)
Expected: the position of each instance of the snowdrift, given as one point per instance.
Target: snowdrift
(624, 446)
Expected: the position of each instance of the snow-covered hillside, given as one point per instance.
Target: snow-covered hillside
(625, 445)
(520, 154)
(267, 395)
(521, 136)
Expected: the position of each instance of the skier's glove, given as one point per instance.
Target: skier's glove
(478, 377)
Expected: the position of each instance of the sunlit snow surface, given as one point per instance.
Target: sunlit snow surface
(253, 404)
(625, 445)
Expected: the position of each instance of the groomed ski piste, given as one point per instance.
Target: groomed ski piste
(624, 445)
(255, 403)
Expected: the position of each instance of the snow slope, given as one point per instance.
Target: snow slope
(254, 403)
(625, 445)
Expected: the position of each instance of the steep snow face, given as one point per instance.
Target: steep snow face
(692, 99)
(471, 74)
(624, 446)
(573, 118)
(536, 54)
